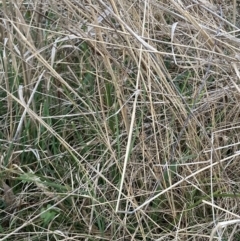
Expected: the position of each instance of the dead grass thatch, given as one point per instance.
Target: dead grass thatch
(119, 120)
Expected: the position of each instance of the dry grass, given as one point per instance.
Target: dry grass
(119, 120)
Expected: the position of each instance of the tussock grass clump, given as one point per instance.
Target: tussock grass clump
(119, 120)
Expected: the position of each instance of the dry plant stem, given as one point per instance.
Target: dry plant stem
(5, 63)
(211, 179)
(234, 12)
(93, 203)
(127, 154)
(238, 75)
(127, 150)
(19, 128)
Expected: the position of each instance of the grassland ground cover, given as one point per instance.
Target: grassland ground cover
(119, 120)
